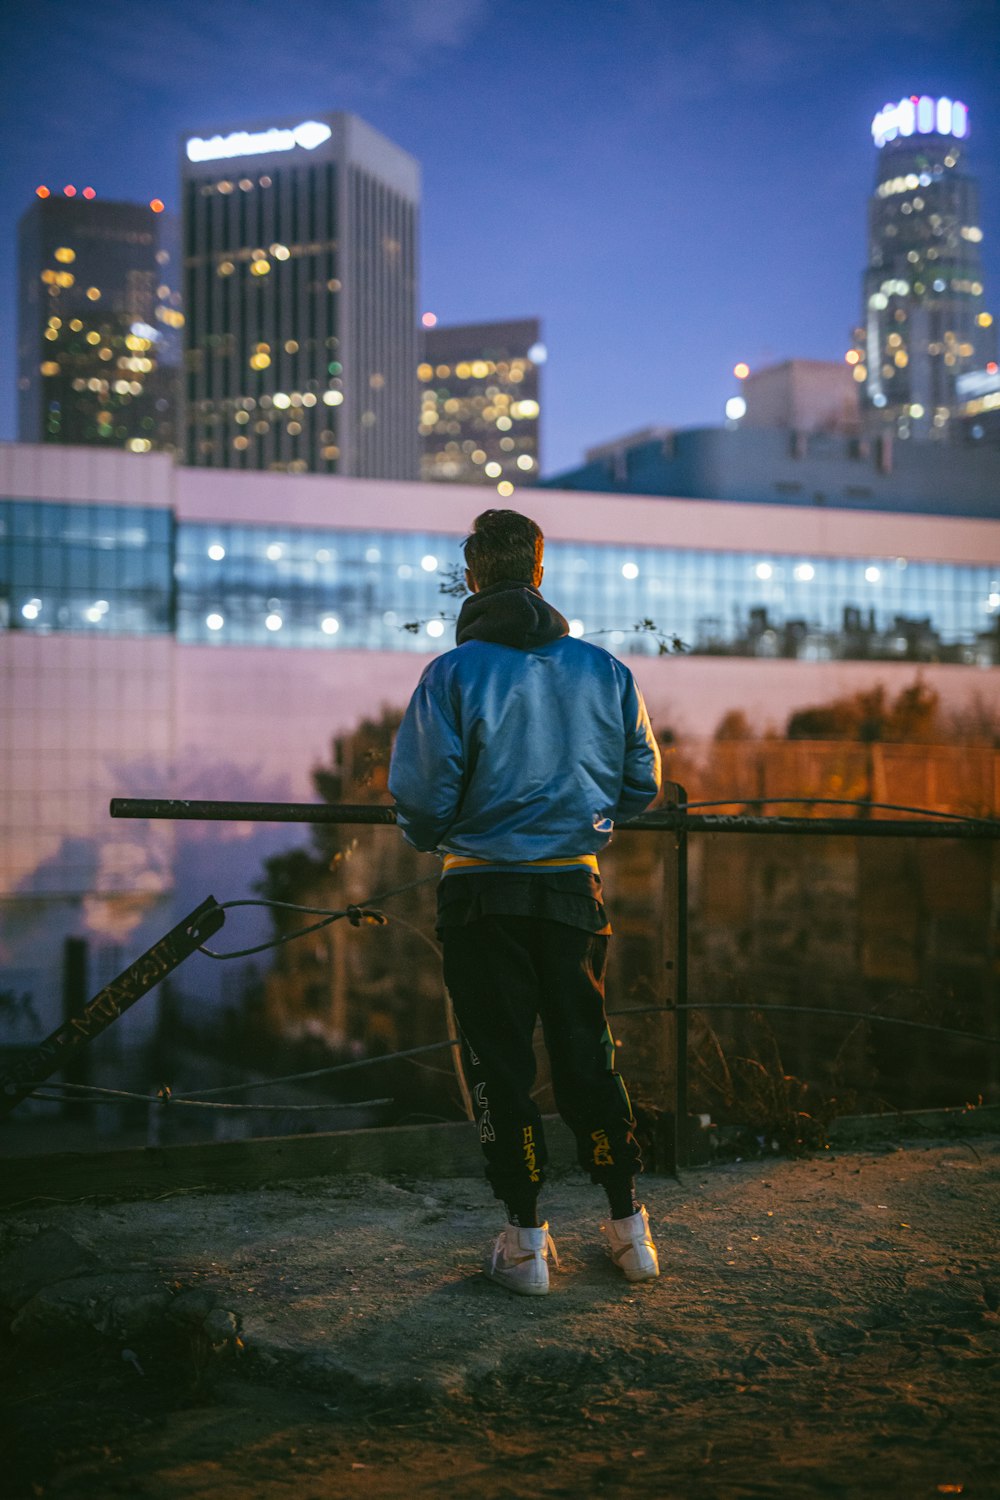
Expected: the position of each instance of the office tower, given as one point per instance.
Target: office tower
(92, 286)
(300, 251)
(925, 317)
(479, 413)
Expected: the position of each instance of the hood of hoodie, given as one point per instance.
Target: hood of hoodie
(510, 614)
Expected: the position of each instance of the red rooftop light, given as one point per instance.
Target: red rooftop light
(42, 191)
(156, 204)
(88, 192)
(69, 190)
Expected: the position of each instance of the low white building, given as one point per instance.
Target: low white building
(181, 632)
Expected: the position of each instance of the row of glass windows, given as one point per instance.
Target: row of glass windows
(130, 570)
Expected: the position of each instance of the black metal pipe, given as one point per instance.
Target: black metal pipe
(325, 812)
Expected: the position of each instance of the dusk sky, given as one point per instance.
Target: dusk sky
(670, 187)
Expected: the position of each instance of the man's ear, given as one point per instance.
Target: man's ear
(470, 583)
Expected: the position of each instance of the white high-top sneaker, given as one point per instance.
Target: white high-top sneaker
(630, 1246)
(520, 1259)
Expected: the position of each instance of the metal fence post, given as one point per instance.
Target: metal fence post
(675, 930)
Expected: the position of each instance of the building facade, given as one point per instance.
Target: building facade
(300, 256)
(480, 403)
(801, 395)
(925, 317)
(790, 468)
(170, 631)
(97, 315)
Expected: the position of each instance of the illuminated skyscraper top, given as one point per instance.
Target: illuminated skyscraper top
(300, 285)
(925, 320)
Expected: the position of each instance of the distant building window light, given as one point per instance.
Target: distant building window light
(333, 398)
(274, 551)
(32, 609)
(273, 622)
(214, 622)
(429, 319)
(435, 628)
(329, 624)
(216, 552)
(373, 555)
(804, 572)
(538, 354)
(763, 570)
(576, 628)
(429, 563)
(872, 575)
(736, 408)
(630, 570)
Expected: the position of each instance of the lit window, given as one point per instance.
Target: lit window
(65, 255)
(329, 624)
(373, 555)
(736, 408)
(435, 628)
(93, 293)
(505, 488)
(282, 401)
(273, 622)
(630, 570)
(32, 609)
(333, 398)
(214, 622)
(404, 571)
(525, 461)
(216, 552)
(763, 570)
(429, 563)
(576, 628)
(274, 551)
(493, 469)
(804, 572)
(280, 252)
(872, 575)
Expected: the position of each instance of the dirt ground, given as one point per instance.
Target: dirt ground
(825, 1327)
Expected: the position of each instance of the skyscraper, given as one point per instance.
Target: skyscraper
(479, 413)
(300, 252)
(93, 295)
(925, 321)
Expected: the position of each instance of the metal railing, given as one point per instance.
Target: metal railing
(676, 820)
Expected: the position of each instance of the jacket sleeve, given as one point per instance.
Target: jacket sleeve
(641, 771)
(427, 766)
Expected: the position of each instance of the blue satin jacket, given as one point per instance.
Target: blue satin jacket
(514, 755)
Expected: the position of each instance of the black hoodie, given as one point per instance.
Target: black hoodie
(509, 613)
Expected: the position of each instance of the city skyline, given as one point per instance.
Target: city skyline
(674, 195)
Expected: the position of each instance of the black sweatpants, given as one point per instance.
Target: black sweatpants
(502, 973)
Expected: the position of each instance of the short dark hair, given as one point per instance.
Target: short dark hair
(503, 544)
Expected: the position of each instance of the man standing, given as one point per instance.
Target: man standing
(519, 751)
